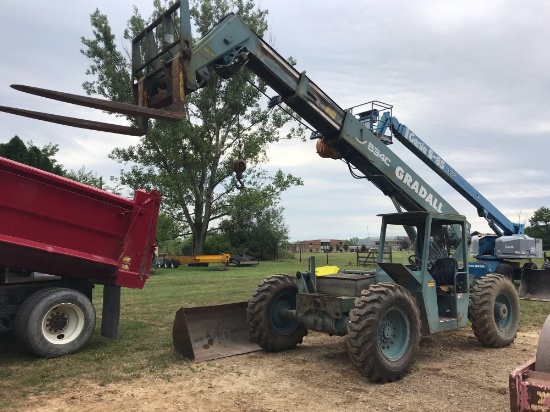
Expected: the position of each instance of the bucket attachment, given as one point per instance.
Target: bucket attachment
(535, 284)
(212, 332)
(161, 75)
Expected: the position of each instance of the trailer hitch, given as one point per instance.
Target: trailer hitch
(161, 76)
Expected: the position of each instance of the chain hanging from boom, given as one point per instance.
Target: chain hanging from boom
(239, 165)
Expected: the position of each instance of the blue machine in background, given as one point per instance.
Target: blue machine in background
(500, 252)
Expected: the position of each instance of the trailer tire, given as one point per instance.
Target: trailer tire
(55, 322)
(494, 311)
(267, 328)
(384, 332)
(174, 264)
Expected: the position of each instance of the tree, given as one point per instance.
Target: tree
(87, 177)
(539, 226)
(41, 158)
(255, 224)
(190, 162)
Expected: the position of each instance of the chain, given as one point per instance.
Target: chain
(239, 165)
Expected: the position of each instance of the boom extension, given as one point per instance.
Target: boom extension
(231, 45)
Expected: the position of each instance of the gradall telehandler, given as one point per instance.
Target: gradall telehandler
(382, 313)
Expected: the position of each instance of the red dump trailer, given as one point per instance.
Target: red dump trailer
(59, 238)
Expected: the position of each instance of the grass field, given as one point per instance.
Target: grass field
(144, 344)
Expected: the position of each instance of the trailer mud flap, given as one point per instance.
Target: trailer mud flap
(212, 332)
(535, 285)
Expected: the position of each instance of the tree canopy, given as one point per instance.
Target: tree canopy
(41, 158)
(539, 226)
(190, 162)
(254, 226)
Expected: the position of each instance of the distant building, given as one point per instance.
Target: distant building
(317, 245)
(396, 242)
(323, 245)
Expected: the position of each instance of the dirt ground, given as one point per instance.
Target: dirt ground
(452, 373)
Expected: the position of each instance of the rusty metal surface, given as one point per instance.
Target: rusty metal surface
(101, 104)
(535, 285)
(143, 113)
(74, 122)
(529, 389)
(212, 332)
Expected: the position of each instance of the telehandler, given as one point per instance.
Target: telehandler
(381, 313)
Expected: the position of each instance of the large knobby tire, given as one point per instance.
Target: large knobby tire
(506, 270)
(55, 322)
(494, 311)
(268, 328)
(384, 332)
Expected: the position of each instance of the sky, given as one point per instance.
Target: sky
(470, 78)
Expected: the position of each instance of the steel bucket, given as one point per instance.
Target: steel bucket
(212, 332)
(535, 284)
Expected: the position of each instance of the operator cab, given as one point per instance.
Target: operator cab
(436, 270)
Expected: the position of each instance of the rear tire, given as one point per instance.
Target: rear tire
(270, 330)
(384, 332)
(506, 270)
(494, 311)
(55, 322)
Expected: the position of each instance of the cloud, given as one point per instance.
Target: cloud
(470, 78)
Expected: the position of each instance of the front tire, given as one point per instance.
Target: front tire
(494, 311)
(55, 322)
(384, 332)
(268, 327)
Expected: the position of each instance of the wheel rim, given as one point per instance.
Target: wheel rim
(394, 334)
(282, 324)
(503, 311)
(63, 323)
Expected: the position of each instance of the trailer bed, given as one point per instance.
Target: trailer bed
(55, 225)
